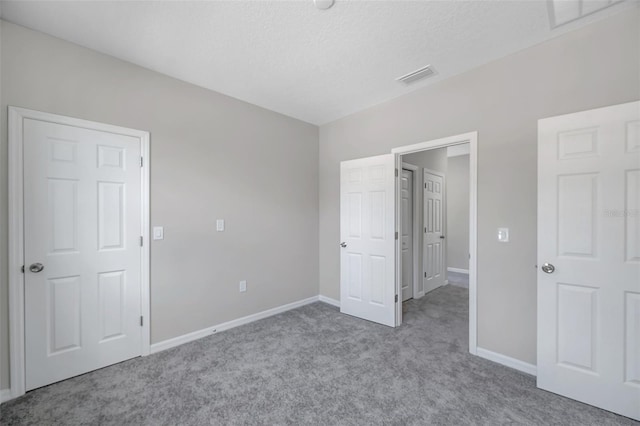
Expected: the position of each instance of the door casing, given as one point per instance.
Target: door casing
(16, 233)
(472, 139)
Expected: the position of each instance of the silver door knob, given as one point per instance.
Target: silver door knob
(548, 268)
(36, 267)
(343, 244)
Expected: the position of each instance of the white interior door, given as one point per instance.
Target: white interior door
(406, 209)
(367, 235)
(433, 243)
(82, 226)
(589, 231)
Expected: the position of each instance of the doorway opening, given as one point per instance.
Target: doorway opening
(436, 210)
(372, 193)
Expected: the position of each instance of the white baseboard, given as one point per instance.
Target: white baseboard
(525, 367)
(5, 395)
(329, 300)
(189, 337)
(458, 270)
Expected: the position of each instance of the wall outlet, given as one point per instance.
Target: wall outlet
(243, 286)
(503, 235)
(220, 225)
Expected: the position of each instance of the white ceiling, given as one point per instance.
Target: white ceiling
(292, 58)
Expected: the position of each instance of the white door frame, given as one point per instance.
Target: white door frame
(417, 264)
(472, 139)
(16, 233)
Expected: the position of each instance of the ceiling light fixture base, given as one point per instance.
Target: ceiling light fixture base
(323, 4)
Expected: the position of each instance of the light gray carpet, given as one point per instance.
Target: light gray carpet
(458, 279)
(313, 366)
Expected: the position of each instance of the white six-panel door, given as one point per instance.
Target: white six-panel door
(589, 257)
(82, 223)
(433, 251)
(406, 237)
(367, 232)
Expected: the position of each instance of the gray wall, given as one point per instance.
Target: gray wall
(503, 100)
(436, 160)
(458, 212)
(211, 157)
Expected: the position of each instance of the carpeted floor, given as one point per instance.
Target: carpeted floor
(458, 279)
(313, 366)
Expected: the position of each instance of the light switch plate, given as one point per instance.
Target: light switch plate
(503, 235)
(220, 225)
(158, 233)
(243, 286)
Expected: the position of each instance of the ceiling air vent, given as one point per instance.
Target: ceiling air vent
(416, 75)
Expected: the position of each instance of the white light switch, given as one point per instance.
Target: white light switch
(158, 233)
(243, 286)
(503, 235)
(220, 225)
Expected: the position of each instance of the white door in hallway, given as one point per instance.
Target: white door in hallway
(433, 251)
(367, 238)
(82, 250)
(589, 257)
(406, 209)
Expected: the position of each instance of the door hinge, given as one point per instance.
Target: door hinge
(141, 320)
(396, 172)
(396, 235)
(425, 229)
(141, 241)
(22, 269)
(425, 186)
(141, 161)
(425, 275)
(396, 298)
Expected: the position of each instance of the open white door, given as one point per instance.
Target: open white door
(589, 257)
(367, 235)
(433, 242)
(406, 233)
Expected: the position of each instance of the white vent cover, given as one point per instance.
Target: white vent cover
(416, 75)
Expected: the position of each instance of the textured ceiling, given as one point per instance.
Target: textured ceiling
(292, 58)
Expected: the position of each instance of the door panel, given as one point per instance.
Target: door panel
(82, 221)
(632, 222)
(588, 229)
(63, 215)
(577, 316)
(112, 310)
(63, 305)
(111, 214)
(367, 223)
(433, 231)
(406, 208)
(632, 338)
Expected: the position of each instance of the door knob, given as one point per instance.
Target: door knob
(548, 268)
(36, 267)
(442, 237)
(343, 244)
